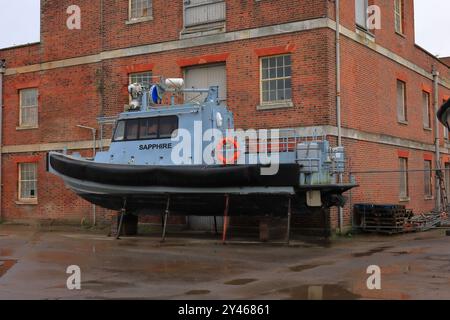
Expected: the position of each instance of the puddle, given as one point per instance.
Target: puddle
(400, 253)
(6, 252)
(104, 285)
(5, 265)
(240, 282)
(371, 252)
(197, 292)
(326, 292)
(304, 267)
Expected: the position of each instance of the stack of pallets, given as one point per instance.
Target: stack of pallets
(382, 218)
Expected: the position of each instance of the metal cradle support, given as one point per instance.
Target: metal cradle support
(123, 211)
(166, 216)
(225, 218)
(289, 216)
(215, 226)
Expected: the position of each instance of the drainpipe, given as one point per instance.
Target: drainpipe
(94, 145)
(338, 96)
(435, 74)
(2, 72)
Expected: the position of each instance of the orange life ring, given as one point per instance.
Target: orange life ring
(219, 150)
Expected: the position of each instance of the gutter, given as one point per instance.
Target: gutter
(338, 98)
(435, 74)
(2, 72)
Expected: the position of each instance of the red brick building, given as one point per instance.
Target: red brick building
(73, 76)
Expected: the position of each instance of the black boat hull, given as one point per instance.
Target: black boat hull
(193, 191)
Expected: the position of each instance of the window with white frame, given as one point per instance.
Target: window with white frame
(140, 9)
(361, 14)
(401, 101)
(27, 181)
(28, 107)
(398, 16)
(404, 188)
(144, 78)
(426, 110)
(276, 79)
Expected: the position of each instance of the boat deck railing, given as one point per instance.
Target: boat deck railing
(286, 142)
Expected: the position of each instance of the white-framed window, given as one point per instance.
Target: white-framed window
(27, 182)
(28, 116)
(361, 14)
(144, 78)
(404, 188)
(140, 9)
(398, 16)
(199, 13)
(428, 184)
(426, 110)
(276, 79)
(401, 101)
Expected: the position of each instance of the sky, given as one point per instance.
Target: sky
(432, 26)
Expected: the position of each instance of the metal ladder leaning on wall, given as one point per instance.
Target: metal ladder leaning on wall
(444, 197)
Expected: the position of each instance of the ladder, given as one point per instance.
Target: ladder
(441, 179)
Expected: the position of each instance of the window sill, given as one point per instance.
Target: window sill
(364, 33)
(427, 129)
(429, 198)
(279, 105)
(203, 30)
(405, 199)
(405, 123)
(400, 34)
(23, 202)
(27, 128)
(139, 20)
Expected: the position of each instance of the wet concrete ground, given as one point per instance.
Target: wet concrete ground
(33, 266)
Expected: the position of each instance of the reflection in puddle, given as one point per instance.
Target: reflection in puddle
(240, 282)
(371, 252)
(197, 292)
(325, 292)
(5, 265)
(5, 252)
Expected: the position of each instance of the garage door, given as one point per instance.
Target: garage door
(204, 77)
(199, 78)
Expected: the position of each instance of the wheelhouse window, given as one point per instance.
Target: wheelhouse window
(28, 108)
(27, 182)
(276, 82)
(146, 128)
(140, 9)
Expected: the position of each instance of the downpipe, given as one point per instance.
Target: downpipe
(2, 72)
(435, 74)
(338, 98)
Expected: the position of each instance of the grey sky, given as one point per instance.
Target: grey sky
(432, 30)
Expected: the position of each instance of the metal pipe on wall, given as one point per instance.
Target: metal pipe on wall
(338, 96)
(435, 74)
(2, 72)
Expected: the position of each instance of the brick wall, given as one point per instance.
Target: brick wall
(75, 95)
